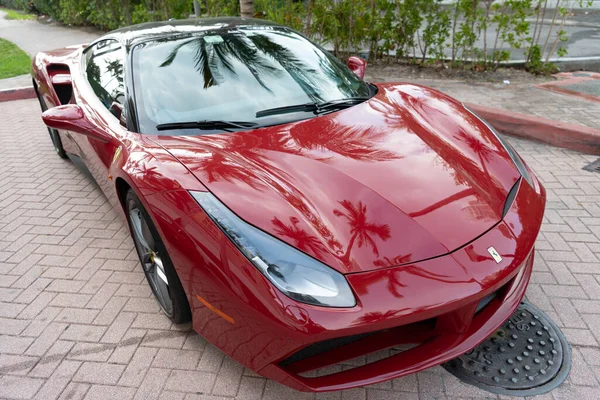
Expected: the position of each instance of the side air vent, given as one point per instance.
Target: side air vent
(511, 197)
(60, 76)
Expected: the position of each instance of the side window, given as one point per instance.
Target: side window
(104, 70)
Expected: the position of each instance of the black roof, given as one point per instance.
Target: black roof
(150, 30)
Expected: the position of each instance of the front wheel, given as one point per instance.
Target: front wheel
(156, 263)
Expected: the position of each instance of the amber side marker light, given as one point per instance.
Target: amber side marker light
(216, 310)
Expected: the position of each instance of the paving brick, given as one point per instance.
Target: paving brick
(10, 310)
(587, 306)
(251, 388)
(51, 360)
(17, 387)
(91, 352)
(138, 366)
(127, 347)
(41, 322)
(70, 300)
(100, 373)
(110, 311)
(176, 359)
(211, 359)
(102, 392)
(77, 315)
(16, 364)
(118, 328)
(165, 339)
(572, 292)
(153, 384)
(190, 381)
(83, 333)
(14, 344)
(228, 378)
(46, 339)
(74, 391)
(581, 374)
(59, 380)
(590, 285)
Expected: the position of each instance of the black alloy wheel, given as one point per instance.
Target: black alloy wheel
(157, 265)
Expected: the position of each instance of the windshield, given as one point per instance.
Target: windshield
(231, 75)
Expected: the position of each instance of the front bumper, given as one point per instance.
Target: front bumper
(441, 339)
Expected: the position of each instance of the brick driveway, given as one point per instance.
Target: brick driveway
(77, 319)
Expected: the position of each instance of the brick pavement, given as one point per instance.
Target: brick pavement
(77, 319)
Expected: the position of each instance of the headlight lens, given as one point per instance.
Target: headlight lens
(509, 149)
(296, 274)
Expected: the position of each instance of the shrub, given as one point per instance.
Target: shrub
(420, 31)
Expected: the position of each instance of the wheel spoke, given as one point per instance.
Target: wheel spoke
(136, 222)
(160, 270)
(161, 288)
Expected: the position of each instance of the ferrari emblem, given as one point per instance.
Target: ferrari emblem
(494, 254)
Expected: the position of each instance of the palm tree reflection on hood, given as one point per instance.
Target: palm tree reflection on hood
(302, 239)
(352, 141)
(361, 229)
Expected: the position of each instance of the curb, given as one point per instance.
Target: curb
(575, 137)
(17, 94)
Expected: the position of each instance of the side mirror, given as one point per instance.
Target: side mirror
(358, 66)
(70, 117)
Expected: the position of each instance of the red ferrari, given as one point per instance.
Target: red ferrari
(298, 215)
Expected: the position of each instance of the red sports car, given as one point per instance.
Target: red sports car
(298, 215)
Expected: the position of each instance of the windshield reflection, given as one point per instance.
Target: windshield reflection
(232, 74)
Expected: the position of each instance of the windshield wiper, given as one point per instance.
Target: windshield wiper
(316, 108)
(207, 125)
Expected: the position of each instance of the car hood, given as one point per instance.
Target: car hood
(406, 176)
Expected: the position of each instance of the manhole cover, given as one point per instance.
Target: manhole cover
(593, 166)
(527, 356)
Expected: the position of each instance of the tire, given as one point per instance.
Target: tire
(54, 136)
(164, 282)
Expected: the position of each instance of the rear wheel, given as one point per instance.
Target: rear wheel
(54, 136)
(156, 263)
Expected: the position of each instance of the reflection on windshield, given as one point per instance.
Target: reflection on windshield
(232, 74)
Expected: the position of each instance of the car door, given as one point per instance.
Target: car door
(101, 96)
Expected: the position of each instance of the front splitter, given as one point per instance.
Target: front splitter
(527, 356)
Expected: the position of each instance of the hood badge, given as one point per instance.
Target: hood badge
(494, 254)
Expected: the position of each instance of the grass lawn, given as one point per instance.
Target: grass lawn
(13, 60)
(14, 14)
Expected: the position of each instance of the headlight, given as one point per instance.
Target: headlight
(297, 275)
(509, 149)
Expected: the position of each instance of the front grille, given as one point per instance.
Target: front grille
(323, 347)
(339, 350)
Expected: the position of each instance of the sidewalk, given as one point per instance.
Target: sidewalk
(32, 36)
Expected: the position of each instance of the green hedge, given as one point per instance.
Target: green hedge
(421, 31)
(105, 14)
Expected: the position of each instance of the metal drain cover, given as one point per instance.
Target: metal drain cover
(527, 356)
